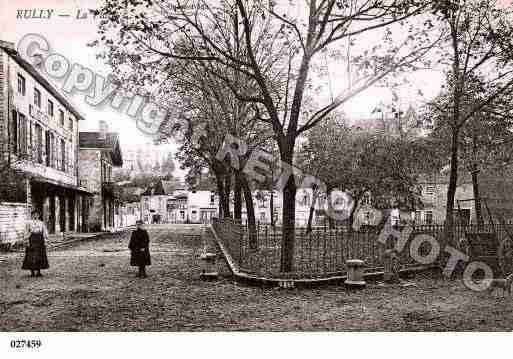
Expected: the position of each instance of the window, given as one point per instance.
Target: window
(71, 123)
(212, 199)
(430, 190)
(63, 156)
(50, 108)
(22, 139)
(61, 117)
(37, 97)
(262, 216)
(428, 215)
(31, 140)
(39, 143)
(54, 158)
(48, 148)
(104, 175)
(14, 131)
(21, 85)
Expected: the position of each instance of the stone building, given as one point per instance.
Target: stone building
(39, 138)
(99, 152)
(495, 188)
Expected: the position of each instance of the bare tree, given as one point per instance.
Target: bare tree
(478, 44)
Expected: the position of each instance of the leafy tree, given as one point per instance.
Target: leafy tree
(385, 164)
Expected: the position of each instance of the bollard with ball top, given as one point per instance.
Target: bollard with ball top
(355, 268)
(208, 260)
(391, 271)
(209, 266)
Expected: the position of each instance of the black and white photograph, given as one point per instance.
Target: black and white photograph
(256, 177)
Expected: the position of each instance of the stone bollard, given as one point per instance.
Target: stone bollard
(355, 273)
(391, 274)
(209, 266)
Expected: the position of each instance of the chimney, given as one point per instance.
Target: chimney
(7, 45)
(104, 128)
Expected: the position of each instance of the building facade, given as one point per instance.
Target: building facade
(39, 138)
(99, 153)
(164, 202)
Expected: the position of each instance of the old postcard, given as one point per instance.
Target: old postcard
(295, 167)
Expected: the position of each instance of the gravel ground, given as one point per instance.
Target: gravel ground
(91, 287)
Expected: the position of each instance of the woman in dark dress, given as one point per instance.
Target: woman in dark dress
(140, 249)
(35, 253)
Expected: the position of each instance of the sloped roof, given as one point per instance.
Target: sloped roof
(40, 79)
(169, 186)
(110, 143)
(155, 189)
(131, 194)
(161, 188)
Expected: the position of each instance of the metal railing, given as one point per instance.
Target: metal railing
(324, 252)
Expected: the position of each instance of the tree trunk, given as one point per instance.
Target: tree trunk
(315, 195)
(289, 215)
(271, 208)
(227, 191)
(289, 226)
(351, 216)
(250, 211)
(221, 192)
(451, 190)
(477, 199)
(331, 222)
(237, 197)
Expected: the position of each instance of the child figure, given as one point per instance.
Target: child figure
(140, 249)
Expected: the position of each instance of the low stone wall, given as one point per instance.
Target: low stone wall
(13, 217)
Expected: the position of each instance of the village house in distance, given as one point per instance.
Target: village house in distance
(164, 202)
(99, 152)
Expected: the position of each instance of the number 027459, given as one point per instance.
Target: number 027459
(26, 344)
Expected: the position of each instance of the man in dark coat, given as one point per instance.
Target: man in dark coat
(140, 249)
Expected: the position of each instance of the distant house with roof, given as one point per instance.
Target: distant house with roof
(98, 153)
(154, 201)
(495, 189)
(129, 210)
(169, 202)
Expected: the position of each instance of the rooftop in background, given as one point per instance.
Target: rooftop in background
(163, 188)
(110, 143)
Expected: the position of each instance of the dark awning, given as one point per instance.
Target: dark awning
(56, 183)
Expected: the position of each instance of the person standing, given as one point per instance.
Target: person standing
(35, 253)
(140, 249)
(395, 217)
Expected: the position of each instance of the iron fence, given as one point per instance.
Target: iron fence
(325, 251)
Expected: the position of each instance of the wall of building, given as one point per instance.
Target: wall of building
(202, 206)
(24, 104)
(13, 217)
(434, 198)
(3, 98)
(127, 215)
(152, 205)
(60, 178)
(89, 172)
